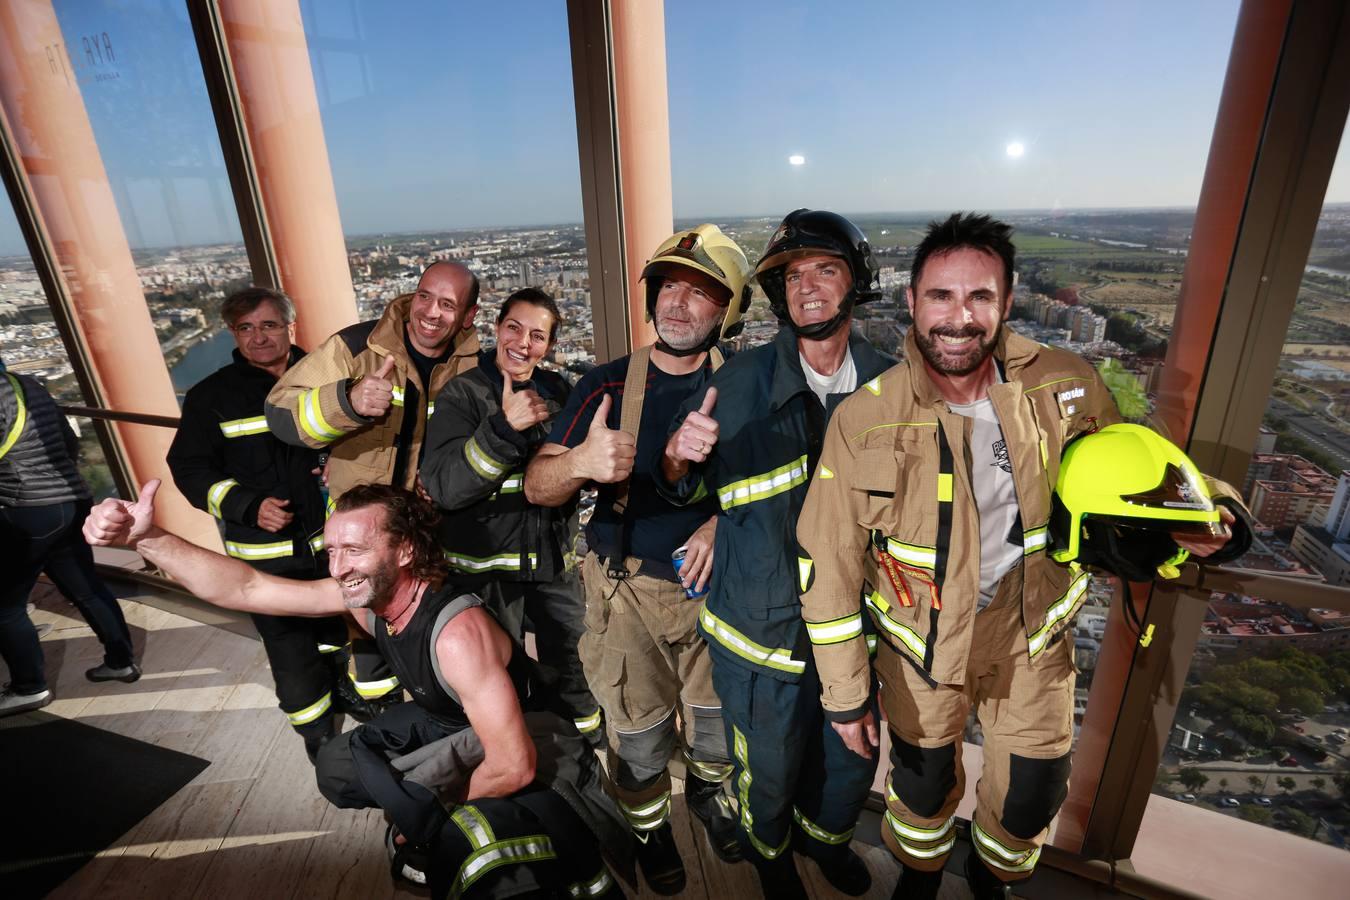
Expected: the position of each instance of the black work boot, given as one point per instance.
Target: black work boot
(847, 874)
(778, 878)
(316, 734)
(659, 859)
(984, 884)
(915, 884)
(709, 803)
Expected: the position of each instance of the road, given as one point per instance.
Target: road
(1316, 430)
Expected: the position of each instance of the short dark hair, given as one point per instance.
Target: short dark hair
(968, 230)
(241, 303)
(535, 297)
(407, 519)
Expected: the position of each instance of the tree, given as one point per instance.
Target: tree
(1257, 814)
(1193, 779)
(1319, 783)
(1223, 785)
(1256, 782)
(1286, 783)
(1301, 823)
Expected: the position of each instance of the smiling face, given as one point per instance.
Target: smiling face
(689, 305)
(523, 338)
(816, 287)
(264, 337)
(361, 559)
(958, 308)
(440, 308)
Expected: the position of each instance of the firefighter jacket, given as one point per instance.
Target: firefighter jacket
(770, 427)
(891, 516)
(38, 449)
(226, 461)
(474, 468)
(310, 405)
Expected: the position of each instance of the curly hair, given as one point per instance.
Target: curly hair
(408, 519)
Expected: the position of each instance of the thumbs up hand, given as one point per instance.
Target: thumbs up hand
(374, 394)
(117, 522)
(694, 440)
(606, 456)
(523, 409)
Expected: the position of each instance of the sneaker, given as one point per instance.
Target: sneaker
(105, 672)
(660, 861)
(847, 874)
(11, 703)
(709, 803)
(406, 862)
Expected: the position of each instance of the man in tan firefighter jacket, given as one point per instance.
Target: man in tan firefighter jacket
(932, 501)
(365, 395)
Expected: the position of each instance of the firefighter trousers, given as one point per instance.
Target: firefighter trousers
(791, 765)
(648, 667)
(305, 655)
(1025, 711)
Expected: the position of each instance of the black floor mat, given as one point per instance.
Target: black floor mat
(70, 791)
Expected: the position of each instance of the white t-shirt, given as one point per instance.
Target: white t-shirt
(995, 495)
(843, 381)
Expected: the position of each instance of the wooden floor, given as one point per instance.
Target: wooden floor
(252, 824)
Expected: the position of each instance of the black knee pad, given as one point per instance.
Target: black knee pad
(335, 772)
(922, 776)
(1036, 788)
(709, 740)
(643, 756)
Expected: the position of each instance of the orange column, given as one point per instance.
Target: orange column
(270, 59)
(45, 118)
(639, 34)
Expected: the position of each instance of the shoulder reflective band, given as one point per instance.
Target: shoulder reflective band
(906, 635)
(1062, 609)
(215, 495)
(481, 462)
(259, 551)
(761, 487)
(742, 646)
(312, 420)
(236, 428)
(1034, 539)
(20, 416)
(835, 631)
(507, 562)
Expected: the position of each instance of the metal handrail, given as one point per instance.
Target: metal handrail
(113, 415)
(1294, 591)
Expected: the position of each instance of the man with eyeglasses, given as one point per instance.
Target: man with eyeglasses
(265, 495)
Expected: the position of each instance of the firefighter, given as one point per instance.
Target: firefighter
(932, 502)
(642, 656)
(751, 442)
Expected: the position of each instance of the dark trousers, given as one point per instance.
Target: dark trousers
(47, 538)
(303, 672)
(791, 765)
(555, 611)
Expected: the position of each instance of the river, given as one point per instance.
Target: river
(201, 360)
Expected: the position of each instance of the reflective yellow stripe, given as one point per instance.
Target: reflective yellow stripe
(369, 690)
(512, 485)
(912, 554)
(316, 543)
(244, 427)
(589, 723)
(20, 416)
(508, 562)
(649, 816)
(481, 462)
(311, 712)
(944, 487)
(593, 888)
(397, 398)
(874, 386)
(216, 493)
(825, 473)
(761, 487)
(513, 851)
(1034, 539)
(820, 834)
(872, 645)
(915, 832)
(259, 551)
(329, 648)
(329, 506)
(312, 419)
(835, 631)
(1062, 609)
(917, 852)
(804, 566)
(742, 646)
(706, 770)
(1052, 383)
(1001, 857)
(474, 826)
(908, 636)
(431, 408)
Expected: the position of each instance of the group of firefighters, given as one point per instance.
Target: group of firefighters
(789, 545)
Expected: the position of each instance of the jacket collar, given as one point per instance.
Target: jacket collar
(1013, 353)
(788, 378)
(387, 337)
(249, 368)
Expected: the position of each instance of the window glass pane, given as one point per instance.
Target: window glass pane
(876, 113)
(445, 146)
(1261, 728)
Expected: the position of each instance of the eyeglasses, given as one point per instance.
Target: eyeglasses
(265, 327)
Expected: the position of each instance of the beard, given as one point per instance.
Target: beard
(379, 587)
(682, 336)
(943, 361)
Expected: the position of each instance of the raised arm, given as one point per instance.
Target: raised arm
(325, 396)
(473, 653)
(213, 577)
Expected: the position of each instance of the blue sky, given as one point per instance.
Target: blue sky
(457, 114)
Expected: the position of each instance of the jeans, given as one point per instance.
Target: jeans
(47, 538)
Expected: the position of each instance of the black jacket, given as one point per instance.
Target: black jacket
(771, 428)
(38, 466)
(226, 461)
(474, 468)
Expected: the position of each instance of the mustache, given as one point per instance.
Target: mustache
(969, 331)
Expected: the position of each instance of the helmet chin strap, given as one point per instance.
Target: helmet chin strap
(692, 351)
